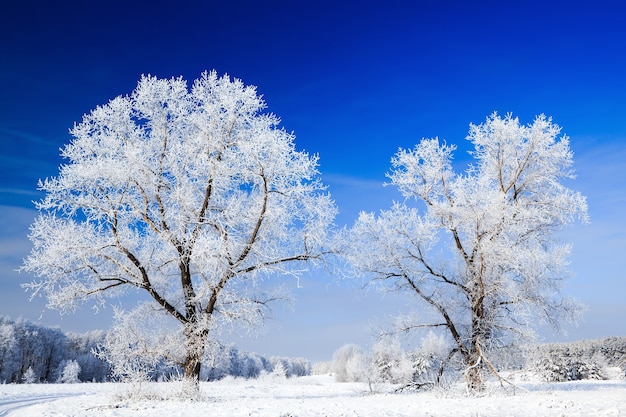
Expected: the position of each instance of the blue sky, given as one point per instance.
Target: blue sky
(354, 81)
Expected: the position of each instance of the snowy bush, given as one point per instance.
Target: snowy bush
(357, 368)
(613, 350)
(392, 364)
(134, 351)
(587, 359)
(556, 368)
(386, 363)
(341, 357)
(322, 368)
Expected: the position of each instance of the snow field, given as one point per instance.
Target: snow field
(313, 396)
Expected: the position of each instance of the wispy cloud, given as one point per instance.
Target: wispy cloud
(20, 191)
(25, 136)
(343, 180)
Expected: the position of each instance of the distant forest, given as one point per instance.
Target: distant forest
(30, 353)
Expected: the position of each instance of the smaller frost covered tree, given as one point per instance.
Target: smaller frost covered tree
(387, 363)
(349, 363)
(134, 350)
(69, 372)
(479, 249)
(190, 196)
(29, 376)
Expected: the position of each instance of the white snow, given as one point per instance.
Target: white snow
(311, 396)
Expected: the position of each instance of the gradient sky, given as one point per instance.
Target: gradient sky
(354, 81)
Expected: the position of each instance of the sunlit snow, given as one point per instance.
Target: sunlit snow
(312, 396)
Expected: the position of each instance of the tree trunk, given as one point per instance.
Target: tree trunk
(195, 336)
(195, 350)
(191, 381)
(196, 341)
(192, 367)
(474, 371)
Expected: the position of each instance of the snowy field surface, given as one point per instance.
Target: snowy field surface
(311, 396)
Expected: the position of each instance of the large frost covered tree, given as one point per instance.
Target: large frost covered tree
(190, 196)
(479, 249)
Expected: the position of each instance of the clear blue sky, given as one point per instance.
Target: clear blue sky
(354, 81)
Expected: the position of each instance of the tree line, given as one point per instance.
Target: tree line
(387, 362)
(30, 353)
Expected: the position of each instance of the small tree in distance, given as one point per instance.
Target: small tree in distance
(190, 196)
(70, 370)
(29, 376)
(482, 253)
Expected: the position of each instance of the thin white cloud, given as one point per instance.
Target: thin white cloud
(20, 191)
(342, 180)
(26, 136)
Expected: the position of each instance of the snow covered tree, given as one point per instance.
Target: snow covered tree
(81, 346)
(9, 350)
(69, 371)
(190, 196)
(348, 363)
(134, 350)
(479, 249)
(29, 376)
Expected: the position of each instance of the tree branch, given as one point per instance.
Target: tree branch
(257, 226)
(444, 313)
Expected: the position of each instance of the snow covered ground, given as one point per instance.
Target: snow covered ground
(310, 397)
